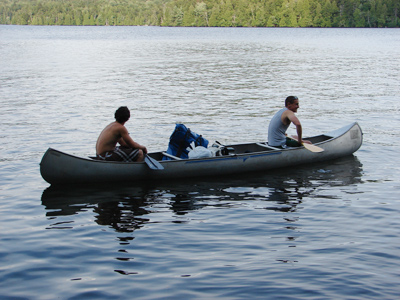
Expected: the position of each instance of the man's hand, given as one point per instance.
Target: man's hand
(295, 137)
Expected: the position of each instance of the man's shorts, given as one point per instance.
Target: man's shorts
(292, 143)
(120, 154)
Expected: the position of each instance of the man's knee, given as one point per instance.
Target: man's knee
(140, 155)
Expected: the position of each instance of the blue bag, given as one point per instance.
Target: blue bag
(181, 139)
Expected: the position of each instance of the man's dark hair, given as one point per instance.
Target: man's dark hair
(122, 114)
(290, 100)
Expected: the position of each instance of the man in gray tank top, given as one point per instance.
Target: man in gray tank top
(280, 123)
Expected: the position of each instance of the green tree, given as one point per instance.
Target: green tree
(227, 14)
(318, 18)
(329, 12)
(272, 21)
(381, 13)
(214, 20)
(201, 14)
(283, 15)
(259, 19)
(188, 17)
(359, 20)
(305, 19)
(177, 16)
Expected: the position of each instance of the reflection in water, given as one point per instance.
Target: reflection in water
(124, 208)
(128, 208)
(122, 216)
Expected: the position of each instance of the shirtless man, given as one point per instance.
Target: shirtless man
(280, 123)
(116, 132)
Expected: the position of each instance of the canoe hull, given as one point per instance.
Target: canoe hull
(60, 168)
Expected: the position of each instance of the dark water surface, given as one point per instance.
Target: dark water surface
(325, 231)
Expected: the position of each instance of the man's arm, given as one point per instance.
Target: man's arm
(292, 117)
(122, 143)
(127, 141)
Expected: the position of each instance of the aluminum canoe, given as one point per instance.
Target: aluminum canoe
(59, 168)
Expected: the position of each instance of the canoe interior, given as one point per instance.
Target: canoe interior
(251, 147)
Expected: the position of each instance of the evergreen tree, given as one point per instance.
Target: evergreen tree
(318, 18)
(227, 14)
(188, 17)
(201, 14)
(272, 21)
(214, 20)
(305, 19)
(259, 19)
(358, 18)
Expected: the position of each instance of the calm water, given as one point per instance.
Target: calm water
(326, 231)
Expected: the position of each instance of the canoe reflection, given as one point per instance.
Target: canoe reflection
(124, 208)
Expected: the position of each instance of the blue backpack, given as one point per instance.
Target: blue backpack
(181, 139)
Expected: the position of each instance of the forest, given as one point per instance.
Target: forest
(203, 13)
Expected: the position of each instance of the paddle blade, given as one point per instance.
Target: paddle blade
(313, 148)
(152, 163)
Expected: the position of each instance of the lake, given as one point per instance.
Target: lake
(323, 231)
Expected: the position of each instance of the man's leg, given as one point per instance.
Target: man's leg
(140, 155)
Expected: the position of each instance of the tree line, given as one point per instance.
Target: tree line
(203, 13)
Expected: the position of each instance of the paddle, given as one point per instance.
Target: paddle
(152, 163)
(313, 148)
(310, 147)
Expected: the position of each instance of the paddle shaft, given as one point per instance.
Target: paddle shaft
(310, 147)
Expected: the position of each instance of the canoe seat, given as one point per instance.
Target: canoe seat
(171, 156)
(265, 145)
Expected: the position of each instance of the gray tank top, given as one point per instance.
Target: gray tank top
(277, 130)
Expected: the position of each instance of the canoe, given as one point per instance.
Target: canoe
(59, 168)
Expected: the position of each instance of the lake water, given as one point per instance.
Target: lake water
(326, 231)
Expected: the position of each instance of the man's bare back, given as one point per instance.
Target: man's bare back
(109, 138)
(116, 132)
